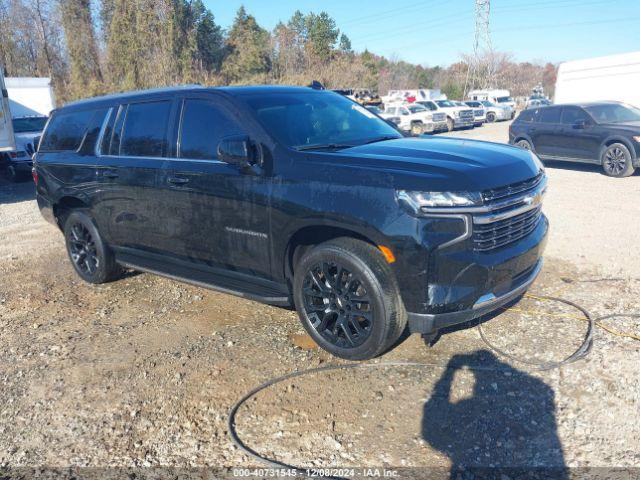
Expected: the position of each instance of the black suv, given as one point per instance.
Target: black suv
(293, 195)
(604, 133)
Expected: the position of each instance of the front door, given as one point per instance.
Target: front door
(219, 213)
(579, 137)
(545, 131)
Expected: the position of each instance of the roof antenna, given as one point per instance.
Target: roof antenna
(316, 85)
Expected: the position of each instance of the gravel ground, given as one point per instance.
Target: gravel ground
(142, 372)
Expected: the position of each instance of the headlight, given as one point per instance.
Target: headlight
(425, 202)
(456, 114)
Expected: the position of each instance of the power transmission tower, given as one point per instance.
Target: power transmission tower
(480, 73)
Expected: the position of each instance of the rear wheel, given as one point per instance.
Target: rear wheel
(92, 259)
(617, 161)
(348, 300)
(524, 144)
(417, 128)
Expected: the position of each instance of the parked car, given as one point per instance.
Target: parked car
(290, 195)
(603, 133)
(479, 112)
(17, 163)
(498, 96)
(457, 117)
(537, 102)
(496, 113)
(413, 118)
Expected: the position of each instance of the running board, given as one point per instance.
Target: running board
(230, 282)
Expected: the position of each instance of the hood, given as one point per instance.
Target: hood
(440, 163)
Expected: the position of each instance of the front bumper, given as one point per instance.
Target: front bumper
(489, 302)
(463, 122)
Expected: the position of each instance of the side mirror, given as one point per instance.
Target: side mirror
(580, 124)
(237, 150)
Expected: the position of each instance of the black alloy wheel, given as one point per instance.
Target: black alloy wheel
(337, 304)
(91, 257)
(82, 249)
(524, 144)
(617, 161)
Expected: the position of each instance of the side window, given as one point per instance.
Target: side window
(108, 131)
(571, 115)
(549, 115)
(66, 131)
(204, 123)
(526, 116)
(404, 111)
(145, 130)
(88, 146)
(114, 143)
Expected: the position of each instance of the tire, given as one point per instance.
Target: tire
(617, 161)
(524, 144)
(11, 174)
(90, 256)
(348, 299)
(450, 124)
(491, 117)
(417, 128)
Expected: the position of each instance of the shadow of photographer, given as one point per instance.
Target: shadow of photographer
(506, 426)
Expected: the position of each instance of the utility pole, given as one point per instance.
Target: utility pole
(480, 75)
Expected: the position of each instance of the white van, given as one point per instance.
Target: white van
(610, 78)
(497, 96)
(7, 139)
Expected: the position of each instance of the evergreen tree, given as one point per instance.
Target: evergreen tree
(322, 34)
(345, 44)
(248, 50)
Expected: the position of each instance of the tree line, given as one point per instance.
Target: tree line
(122, 45)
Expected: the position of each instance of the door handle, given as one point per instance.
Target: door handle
(178, 180)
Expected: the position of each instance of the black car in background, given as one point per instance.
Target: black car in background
(295, 196)
(602, 133)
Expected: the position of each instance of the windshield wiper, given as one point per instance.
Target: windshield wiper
(381, 139)
(326, 146)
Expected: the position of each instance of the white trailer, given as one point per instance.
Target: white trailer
(610, 78)
(498, 96)
(7, 139)
(30, 96)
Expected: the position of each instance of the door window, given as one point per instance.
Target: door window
(572, 115)
(204, 124)
(549, 115)
(145, 130)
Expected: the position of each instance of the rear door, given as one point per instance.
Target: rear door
(579, 137)
(219, 213)
(134, 146)
(545, 132)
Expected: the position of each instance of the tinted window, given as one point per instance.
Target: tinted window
(114, 143)
(614, 113)
(317, 118)
(571, 115)
(549, 115)
(108, 131)
(65, 131)
(93, 131)
(526, 116)
(145, 129)
(204, 123)
(29, 124)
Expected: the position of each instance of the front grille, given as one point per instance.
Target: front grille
(478, 113)
(466, 114)
(514, 212)
(501, 233)
(439, 117)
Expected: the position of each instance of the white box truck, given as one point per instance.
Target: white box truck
(7, 140)
(610, 78)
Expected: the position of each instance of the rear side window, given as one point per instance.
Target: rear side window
(93, 132)
(549, 115)
(145, 130)
(66, 131)
(204, 123)
(526, 116)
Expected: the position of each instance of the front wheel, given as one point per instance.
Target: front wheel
(348, 300)
(450, 124)
(417, 129)
(617, 161)
(92, 259)
(491, 117)
(524, 144)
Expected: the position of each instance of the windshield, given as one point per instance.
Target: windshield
(503, 99)
(428, 105)
(487, 103)
(416, 108)
(614, 113)
(30, 124)
(317, 118)
(445, 103)
(474, 104)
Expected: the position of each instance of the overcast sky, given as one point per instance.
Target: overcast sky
(436, 32)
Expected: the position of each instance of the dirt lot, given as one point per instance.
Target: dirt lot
(142, 372)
